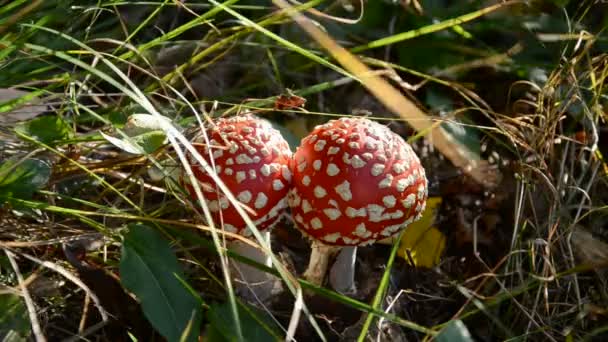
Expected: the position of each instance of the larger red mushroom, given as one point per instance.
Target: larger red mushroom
(354, 182)
(252, 159)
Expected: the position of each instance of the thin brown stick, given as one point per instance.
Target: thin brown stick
(453, 150)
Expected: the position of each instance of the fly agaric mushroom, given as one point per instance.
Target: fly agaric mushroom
(354, 182)
(252, 159)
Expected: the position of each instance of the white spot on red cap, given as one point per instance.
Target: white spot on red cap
(317, 164)
(357, 162)
(286, 173)
(397, 214)
(333, 214)
(332, 238)
(265, 170)
(229, 161)
(375, 212)
(244, 196)
(399, 168)
(386, 182)
(409, 201)
(260, 201)
(233, 148)
(302, 166)
(361, 231)
(352, 212)
(277, 185)
(343, 190)
(306, 180)
(243, 159)
(320, 192)
(333, 150)
(421, 191)
(252, 174)
(389, 201)
(320, 145)
(228, 171)
(332, 169)
(350, 241)
(240, 176)
(377, 169)
(306, 207)
(316, 223)
(401, 184)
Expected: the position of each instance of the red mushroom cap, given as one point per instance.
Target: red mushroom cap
(252, 159)
(355, 182)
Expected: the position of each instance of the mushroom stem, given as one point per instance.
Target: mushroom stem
(250, 282)
(342, 273)
(319, 260)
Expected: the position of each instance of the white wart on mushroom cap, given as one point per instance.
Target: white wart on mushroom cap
(354, 182)
(252, 159)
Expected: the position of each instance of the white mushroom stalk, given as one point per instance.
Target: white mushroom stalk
(342, 273)
(250, 282)
(355, 182)
(252, 160)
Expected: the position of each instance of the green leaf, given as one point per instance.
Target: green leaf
(46, 129)
(14, 321)
(146, 142)
(150, 269)
(455, 331)
(255, 325)
(21, 178)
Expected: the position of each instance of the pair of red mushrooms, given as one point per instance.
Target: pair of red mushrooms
(350, 183)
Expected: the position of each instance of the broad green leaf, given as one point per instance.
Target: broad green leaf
(46, 129)
(145, 132)
(147, 142)
(255, 325)
(21, 178)
(150, 269)
(143, 123)
(455, 331)
(14, 321)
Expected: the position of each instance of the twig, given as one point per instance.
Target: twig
(72, 278)
(89, 331)
(459, 154)
(31, 309)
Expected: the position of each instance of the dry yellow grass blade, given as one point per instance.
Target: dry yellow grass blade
(456, 152)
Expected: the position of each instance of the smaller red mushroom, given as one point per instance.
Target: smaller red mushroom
(354, 182)
(252, 159)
